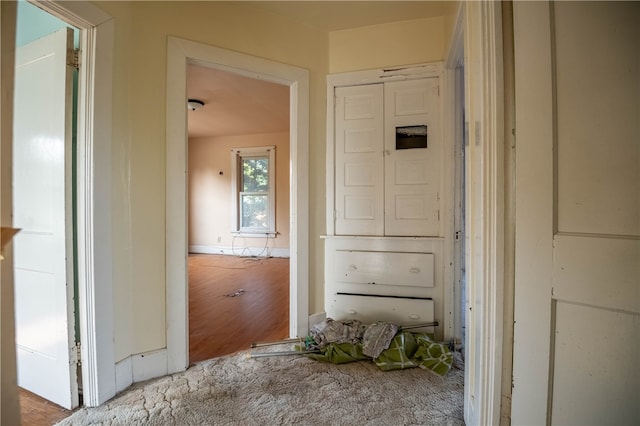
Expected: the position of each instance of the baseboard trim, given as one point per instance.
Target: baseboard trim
(124, 374)
(240, 251)
(140, 367)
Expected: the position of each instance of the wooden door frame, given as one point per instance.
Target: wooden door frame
(95, 286)
(180, 53)
(484, 88)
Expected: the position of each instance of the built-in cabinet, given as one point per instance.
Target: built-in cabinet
(387, 199)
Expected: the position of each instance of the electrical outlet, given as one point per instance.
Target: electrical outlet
(219, 239)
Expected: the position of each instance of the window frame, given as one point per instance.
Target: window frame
(237, 155)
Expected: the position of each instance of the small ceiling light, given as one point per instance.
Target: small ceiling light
(194, 104)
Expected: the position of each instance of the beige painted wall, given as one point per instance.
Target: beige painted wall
(138, 195)
(138, 147)
(386, 45)
(210, 192)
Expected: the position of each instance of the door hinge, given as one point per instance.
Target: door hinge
(77, 354)
(73, 58)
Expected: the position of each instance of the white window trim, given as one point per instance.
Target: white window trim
(236, 155)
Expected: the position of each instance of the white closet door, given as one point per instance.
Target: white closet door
(413, 175)
(359, 160)
(43, 258)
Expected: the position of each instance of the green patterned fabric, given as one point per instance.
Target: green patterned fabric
(406, 350)
(433, 356)
(339, 353)
(399, 354)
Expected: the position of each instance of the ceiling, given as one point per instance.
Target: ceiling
(240, 105)
(234, 104)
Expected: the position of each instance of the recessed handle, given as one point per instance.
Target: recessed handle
(351, 311)
(414, 316)
(414, 270)
(352, 267)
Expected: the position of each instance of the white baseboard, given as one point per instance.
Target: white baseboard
(140, 367)
(240, 251)
(124, 374)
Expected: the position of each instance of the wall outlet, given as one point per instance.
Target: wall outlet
(219, 239)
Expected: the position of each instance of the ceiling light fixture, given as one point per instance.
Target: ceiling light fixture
(194, 104)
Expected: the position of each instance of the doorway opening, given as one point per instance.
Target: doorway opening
(238, 202)
(180, 54)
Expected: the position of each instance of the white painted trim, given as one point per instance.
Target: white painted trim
(140, 367)
(179, 53)
(237, 251)
(381, 75)
(149, 365)
(95, 284)
(237, 154)
(484, 101)
(124, 374)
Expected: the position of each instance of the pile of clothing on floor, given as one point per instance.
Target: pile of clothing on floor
(390, 347)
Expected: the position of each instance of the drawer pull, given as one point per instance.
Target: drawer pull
(351, 311)
(352, 267)
(414, 270)
(414, 316)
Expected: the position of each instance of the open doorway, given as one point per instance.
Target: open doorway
(238, 222)
(180, 53)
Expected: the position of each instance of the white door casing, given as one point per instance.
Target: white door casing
(179, 53)
(484, 204)
(577, 295)
(42, 208)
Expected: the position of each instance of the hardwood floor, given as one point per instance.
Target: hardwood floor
(36, 411)
(234, 301)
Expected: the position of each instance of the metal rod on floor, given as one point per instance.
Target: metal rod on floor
(287, 353)
(294, 340)
(426, 324)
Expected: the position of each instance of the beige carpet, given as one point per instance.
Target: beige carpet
(234, 390)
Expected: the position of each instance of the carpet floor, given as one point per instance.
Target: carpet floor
(285, 390)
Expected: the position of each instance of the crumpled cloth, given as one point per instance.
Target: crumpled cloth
(377, 337)
(331, 331)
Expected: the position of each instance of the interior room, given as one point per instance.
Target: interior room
(469, 167)
(238, 282)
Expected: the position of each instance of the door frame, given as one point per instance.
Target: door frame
(180, 53)
(95, 286)
(485, 185)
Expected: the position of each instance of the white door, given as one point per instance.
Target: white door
(577, 295)
(359, 163)
(413, 163)
(45, 327)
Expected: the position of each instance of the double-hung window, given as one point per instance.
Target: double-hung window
(254, 190)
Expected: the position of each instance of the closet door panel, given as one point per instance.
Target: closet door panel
(413, 158)
(359, 161)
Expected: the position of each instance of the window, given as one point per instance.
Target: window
(254, 190)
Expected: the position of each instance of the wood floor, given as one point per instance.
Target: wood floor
(35, 411)
(234, 301)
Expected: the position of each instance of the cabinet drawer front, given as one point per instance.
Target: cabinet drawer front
(369, 309)
(387, 268)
